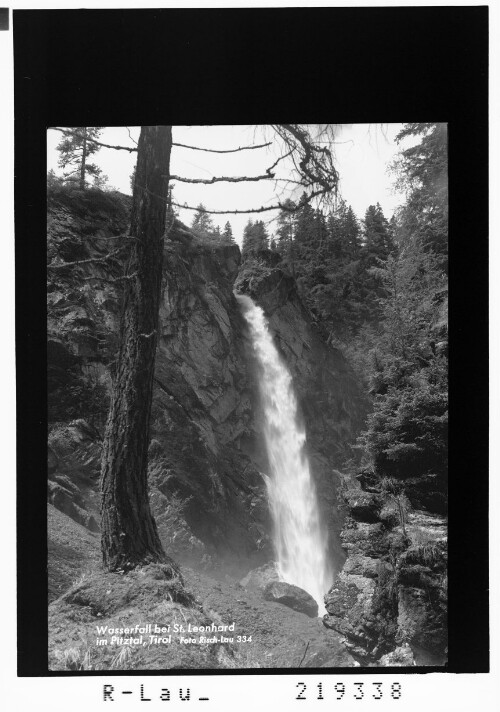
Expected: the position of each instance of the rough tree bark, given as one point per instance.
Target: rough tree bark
(129, 533)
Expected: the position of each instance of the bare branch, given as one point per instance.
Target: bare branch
(312, 162)
(221, 179)
(263, 209)
(281, 158)
(68, 132)
(90, 260)
(229, 150)
(315, 162)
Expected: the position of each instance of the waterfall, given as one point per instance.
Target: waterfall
(299, 539)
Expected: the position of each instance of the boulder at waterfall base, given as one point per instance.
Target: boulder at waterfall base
(291, 596)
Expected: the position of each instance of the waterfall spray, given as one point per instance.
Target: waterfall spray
(299, 540)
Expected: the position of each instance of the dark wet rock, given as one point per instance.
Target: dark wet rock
(291, 596)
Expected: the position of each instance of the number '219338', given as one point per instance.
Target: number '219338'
(355, 690)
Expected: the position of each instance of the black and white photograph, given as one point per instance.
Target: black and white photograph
(250, 387)
(247, 396)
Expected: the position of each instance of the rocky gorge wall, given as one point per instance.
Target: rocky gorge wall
(390, 599)
(207, 456)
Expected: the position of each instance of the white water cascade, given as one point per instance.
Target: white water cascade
(299, 539)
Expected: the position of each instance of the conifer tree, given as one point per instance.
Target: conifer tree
(202, 222)
(285, 234)
(305, 229)
(422, 172)
(75, 149)
(255, 238)
(227, 235)
(378, 243)
(339, 298)
(352, 233)
(406, 433)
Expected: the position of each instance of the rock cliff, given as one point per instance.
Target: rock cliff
(390, 599)
(206, 452)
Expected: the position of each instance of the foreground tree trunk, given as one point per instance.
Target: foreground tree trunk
(129, 534)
